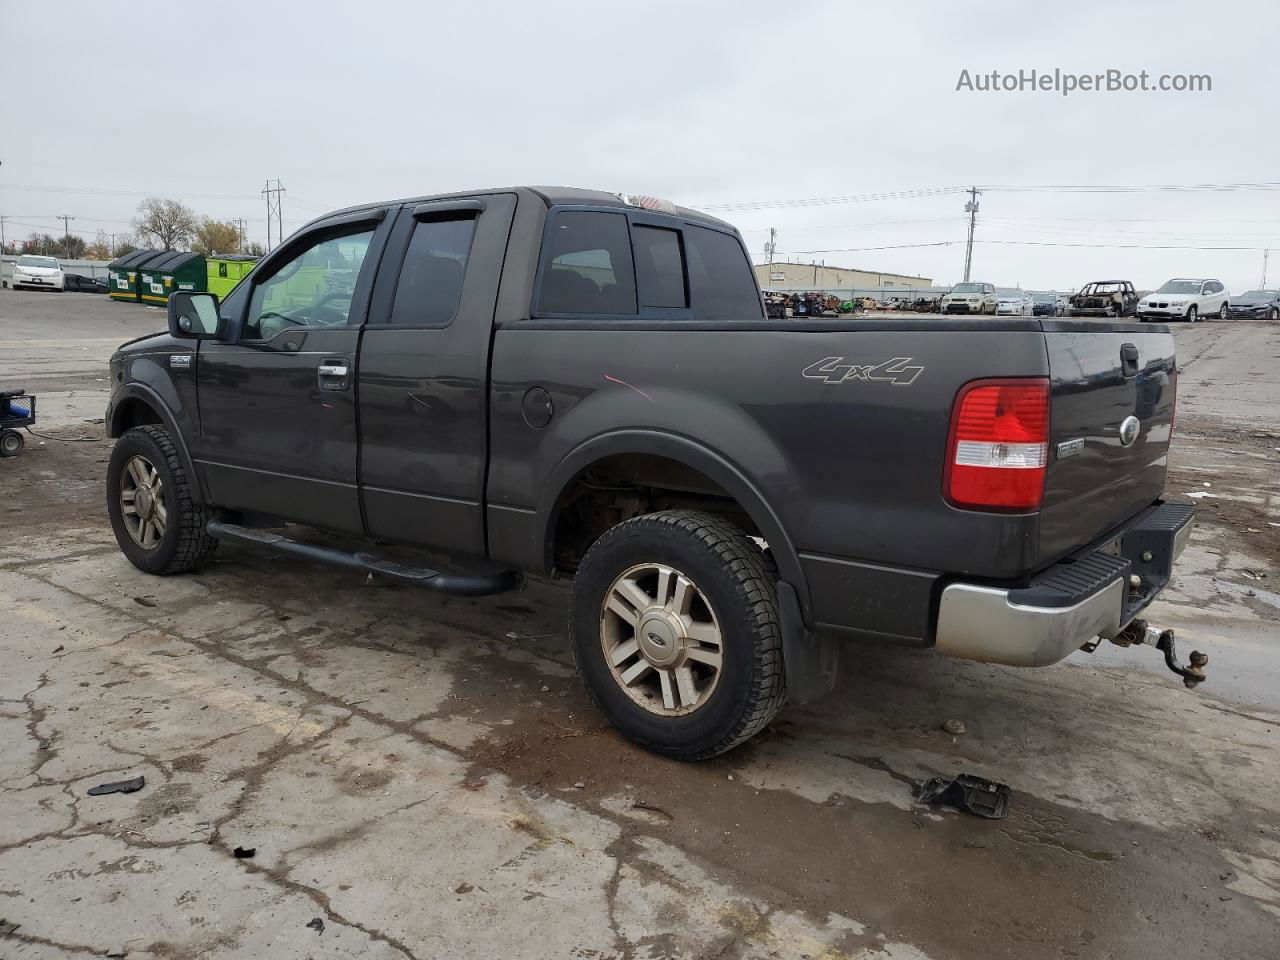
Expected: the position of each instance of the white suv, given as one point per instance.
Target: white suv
(1185, 300)
(970, 298)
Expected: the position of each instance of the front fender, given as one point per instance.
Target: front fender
(119, 418)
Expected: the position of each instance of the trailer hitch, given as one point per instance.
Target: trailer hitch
(1139, 631)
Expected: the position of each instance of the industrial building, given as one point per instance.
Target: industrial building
(817, 276)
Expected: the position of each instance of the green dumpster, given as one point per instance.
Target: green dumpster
(175, 270)
(123, 274)
(226, 270)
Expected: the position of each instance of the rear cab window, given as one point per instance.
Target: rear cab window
(598, 263)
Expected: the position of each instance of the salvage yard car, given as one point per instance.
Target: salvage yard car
(1013, 303)
(565, 382)
(970, 298)
(37, 273)
(1105, 298)
(1255, 305)
(1046, 305)
(1186, 300)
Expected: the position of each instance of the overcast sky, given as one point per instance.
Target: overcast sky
(704, 103)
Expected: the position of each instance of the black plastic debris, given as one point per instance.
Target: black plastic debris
(244, 853)
(977, 795)
(144, 601)
(317, 925)
(120, 786)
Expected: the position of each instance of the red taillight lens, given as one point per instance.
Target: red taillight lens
(999, 445)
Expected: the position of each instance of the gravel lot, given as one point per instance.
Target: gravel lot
(422, 777)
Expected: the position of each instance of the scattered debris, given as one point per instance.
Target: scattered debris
(316, 924)
(545, 688)
(59, 648)
(650, 808)
(7, 927)
(1201, 494)
(463, 888)
(119, 786)
(244, 853)
(579, 786)
(977, 795)
(731, 776)
(144, 601)
(954, 727)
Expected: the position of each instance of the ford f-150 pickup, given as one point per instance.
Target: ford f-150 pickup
(563, 382)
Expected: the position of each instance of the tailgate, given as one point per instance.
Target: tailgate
(1102, 374)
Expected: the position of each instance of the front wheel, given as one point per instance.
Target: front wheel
(11, 443)
(1223, 311)
(157, 524)
(675, 629)
(1192, 314)
(1273, 314)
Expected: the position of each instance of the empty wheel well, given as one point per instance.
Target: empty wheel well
(131, 413)
(623, 486)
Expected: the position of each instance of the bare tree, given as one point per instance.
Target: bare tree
(168, 223)
(255, 249)
(216, 236)
(100, 248)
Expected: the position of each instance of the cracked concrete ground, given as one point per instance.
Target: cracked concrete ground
(422, 776)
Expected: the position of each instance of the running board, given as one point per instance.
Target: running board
(476, 585)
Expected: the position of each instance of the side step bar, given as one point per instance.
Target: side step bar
(477, 585)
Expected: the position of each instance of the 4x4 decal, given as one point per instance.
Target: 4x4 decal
(898, 371)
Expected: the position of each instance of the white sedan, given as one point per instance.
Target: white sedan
(37, 273)
(1013, 303)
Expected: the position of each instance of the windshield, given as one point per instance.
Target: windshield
(1180, 286)
(1103, 288)
(1258, 295)
(967, 288)
(47, 262)
(1044, 298)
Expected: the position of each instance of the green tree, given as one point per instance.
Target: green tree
(216, 236)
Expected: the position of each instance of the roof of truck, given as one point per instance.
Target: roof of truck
(551, 196)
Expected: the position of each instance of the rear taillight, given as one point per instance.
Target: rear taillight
(999, 445)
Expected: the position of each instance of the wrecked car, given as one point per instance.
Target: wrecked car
(570, 383)
(1105, 298)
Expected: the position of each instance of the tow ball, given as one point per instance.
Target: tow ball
(1139, 631)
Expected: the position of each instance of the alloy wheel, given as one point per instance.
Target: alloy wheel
(661, 639)
(142, 502)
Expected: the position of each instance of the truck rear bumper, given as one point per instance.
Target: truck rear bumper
(1071, 603)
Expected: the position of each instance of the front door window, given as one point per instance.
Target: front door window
(314, 289)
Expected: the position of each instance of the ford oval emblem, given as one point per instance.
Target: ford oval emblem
(1129, 430)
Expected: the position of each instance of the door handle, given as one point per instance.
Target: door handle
(333, 374)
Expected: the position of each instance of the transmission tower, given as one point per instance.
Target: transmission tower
(275, 208)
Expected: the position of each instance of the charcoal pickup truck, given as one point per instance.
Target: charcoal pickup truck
(562, 382)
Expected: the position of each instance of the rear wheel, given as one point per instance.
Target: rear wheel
(1223, 311)
(157, 524)
(675, 630)
(1273, 314)
(11, 443)
(1192, 314)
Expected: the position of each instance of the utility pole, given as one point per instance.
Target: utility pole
(1265, 253)
(66, 235)
(2, 246)
(113, 246)
(773, 243)
(240, 232)
(971, 208)
(274, 197)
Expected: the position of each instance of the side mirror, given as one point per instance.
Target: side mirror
(193, 316)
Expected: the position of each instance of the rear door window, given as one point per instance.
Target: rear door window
(660, 278)
(588, 267)
(721, 281)
(430, 284)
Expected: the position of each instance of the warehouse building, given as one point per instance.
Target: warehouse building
(817, 276)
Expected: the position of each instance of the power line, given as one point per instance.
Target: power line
(274, 208)
(124, 193)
